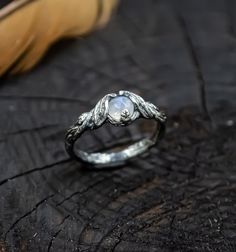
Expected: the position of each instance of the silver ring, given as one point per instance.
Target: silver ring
(119, 109)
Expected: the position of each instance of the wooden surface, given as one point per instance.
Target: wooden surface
(180, 55)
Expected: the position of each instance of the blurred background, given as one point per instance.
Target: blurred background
(181, 55)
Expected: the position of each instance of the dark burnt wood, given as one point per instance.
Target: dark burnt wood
(180, 55)
(4, 3)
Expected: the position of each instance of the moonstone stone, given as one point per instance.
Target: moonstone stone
(118, 104)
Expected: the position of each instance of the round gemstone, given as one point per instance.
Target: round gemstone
(120, 106)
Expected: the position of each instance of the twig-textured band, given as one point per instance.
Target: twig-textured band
(120, 110)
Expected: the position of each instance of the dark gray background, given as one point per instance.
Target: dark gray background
(181, 55)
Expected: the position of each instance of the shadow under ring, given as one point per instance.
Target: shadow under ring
(97, 117)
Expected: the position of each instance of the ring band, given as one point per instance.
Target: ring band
(119, 109)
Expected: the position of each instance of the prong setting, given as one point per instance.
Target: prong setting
(119, 109)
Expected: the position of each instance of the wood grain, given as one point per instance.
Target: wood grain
(180, 197)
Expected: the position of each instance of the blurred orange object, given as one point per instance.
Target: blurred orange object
(29, 27)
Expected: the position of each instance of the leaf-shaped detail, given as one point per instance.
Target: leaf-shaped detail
(146, 109)
(100, 111)
(151, 109)
(82, 118)
(141, 104)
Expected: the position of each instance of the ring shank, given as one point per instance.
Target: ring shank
(115, 158)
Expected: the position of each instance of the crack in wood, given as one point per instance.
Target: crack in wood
(198, 69)
(192, 208)
(57, 233)
(22, 131)
(27, 214)
(64, 161)
(80, 192)
(45, 98)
